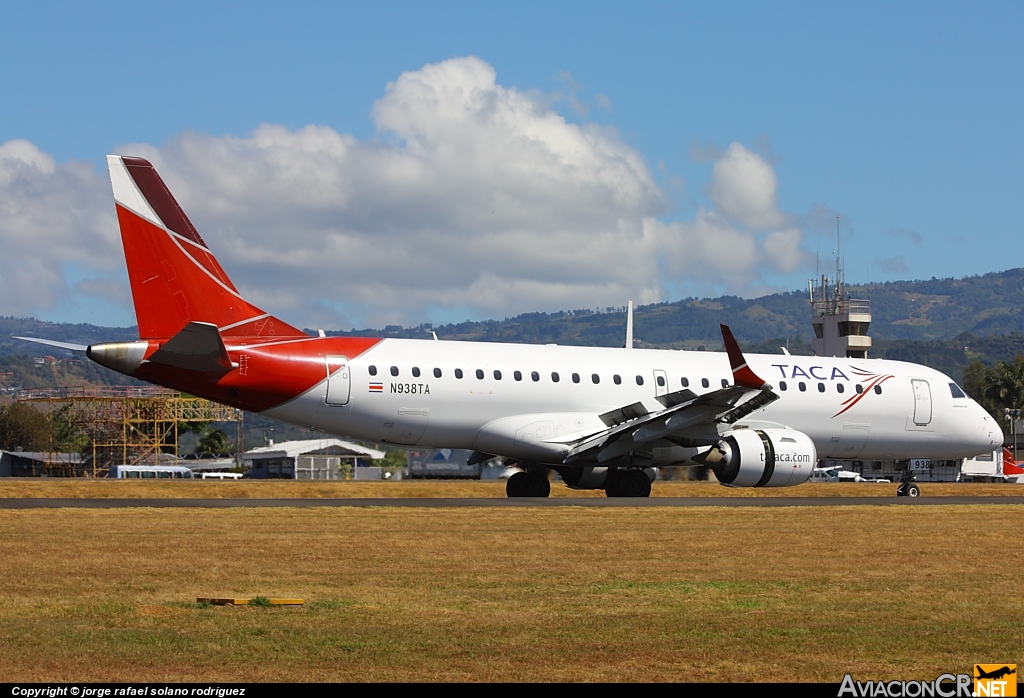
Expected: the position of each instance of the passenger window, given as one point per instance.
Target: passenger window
(535, 376)
(685, 382)
(860, 388)
(639, 380)
(575, 378)
(878, 390)
(554, 377)
(821, 387)
(596, 378)
(782, 385)
(840, 387)
(955, 390)
(518, 375)
(617, 379)
(373, 370)
(394, 370)
(705, 382)
(437, 373)
(497, 375)
(725, 383)
(661, 381)
(479, 374)
(415, 371)
(802, 386)
(458, 373)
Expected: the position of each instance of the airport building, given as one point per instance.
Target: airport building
(39, 464)
(311, 459)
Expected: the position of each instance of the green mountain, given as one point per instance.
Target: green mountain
(943, 323)
(937, 310)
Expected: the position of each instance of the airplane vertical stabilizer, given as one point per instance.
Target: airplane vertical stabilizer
(175, 280)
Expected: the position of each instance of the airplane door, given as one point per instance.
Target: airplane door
(922, 402)
(339, 380)
(660, 382)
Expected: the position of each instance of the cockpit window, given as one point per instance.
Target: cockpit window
(955, 389)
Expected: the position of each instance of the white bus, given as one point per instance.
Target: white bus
(150, 472)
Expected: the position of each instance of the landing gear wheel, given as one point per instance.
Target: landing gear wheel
(515, 485)
(913, 490)
(612, 485)
(629, 483)
(536, 485)
(635, 483)
(528, 485)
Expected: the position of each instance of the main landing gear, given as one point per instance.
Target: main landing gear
(627, 483)
(532, 483)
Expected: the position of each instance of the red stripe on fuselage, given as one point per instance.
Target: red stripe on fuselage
(270, 373)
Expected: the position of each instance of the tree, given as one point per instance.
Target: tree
(213, 442)
(23, 427)
(997, 388)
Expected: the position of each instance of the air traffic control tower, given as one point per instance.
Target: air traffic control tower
(840, 323)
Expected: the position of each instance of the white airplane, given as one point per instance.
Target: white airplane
(603, 418)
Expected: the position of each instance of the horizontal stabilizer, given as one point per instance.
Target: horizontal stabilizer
(52, 343)
(198, 347)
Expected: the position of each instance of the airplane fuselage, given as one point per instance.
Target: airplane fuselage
(439, 393)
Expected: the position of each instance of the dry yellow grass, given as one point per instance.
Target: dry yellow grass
(495, 594)
(103, 488)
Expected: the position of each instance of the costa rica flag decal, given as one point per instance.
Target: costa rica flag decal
(376, 387)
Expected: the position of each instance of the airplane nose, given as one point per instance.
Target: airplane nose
(992, 434)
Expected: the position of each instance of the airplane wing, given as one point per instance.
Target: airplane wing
(687, 419)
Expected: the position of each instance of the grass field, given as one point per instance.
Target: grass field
(87, 488)
(576, 594)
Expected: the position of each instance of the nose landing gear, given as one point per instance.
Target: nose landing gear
(907, 488)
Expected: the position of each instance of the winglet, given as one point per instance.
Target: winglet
(741, 373)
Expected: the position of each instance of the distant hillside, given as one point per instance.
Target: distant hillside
(940, 309)
(61, 332)
(943, 323)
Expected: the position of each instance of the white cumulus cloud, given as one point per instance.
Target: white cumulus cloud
(53, 217)
(473, 198)
(744, 188)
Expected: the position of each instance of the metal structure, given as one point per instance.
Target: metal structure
(126, 424)
(840, 322)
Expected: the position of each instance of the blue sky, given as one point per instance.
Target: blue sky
(902, 118)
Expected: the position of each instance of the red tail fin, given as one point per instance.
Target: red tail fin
(175, 279)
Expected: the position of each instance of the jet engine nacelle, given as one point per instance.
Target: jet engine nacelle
(763, 458)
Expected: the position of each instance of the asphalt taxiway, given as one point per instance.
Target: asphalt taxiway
(525, 502)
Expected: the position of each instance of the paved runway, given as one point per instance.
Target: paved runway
(25, 503)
